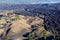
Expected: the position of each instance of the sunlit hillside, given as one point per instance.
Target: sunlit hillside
(13, 25)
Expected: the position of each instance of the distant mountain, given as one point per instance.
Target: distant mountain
(17, 6)
(30, 9)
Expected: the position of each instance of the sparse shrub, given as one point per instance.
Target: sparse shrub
(0, 18)
(30, 38)
(45, 34)
(8, 21)
(54, 34)
(17, 16)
